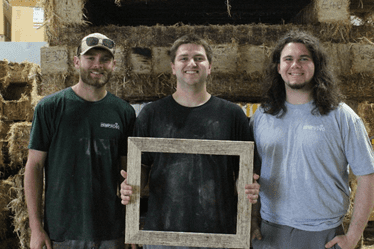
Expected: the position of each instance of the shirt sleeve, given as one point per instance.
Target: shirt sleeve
(41, 129)
(358, 149)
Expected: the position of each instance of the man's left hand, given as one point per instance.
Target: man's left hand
(252, 190)
(343, 241)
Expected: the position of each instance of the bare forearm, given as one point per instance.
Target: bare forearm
(363, 204)
(33, 194)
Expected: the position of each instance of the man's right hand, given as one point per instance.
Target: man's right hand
(126, 190)
(39, 239)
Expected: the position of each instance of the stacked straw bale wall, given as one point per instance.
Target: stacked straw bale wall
(143, 72)
(143, 67)
(241, 52)
(18, 83)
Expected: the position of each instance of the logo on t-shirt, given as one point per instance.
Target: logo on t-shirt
(111, 126)
(314, 128)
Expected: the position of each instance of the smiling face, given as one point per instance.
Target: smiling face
(95, 67)
(296, 66)
(191, 65)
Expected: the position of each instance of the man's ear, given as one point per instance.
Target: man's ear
(172, 67)
(77, 62)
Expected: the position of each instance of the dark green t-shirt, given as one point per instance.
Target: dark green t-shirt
(84, 141)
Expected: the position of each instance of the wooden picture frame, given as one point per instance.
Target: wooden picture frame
(243, 149)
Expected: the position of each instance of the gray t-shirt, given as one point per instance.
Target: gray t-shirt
(304, 164)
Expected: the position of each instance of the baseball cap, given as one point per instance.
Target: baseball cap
(97, 40)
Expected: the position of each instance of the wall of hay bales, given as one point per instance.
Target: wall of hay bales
(143, 74)
(18, 83)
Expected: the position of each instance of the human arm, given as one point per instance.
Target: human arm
(33, 193)
(363, 204)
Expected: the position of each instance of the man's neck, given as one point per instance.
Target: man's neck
(298, 97)
(89, 93)
(191, 98)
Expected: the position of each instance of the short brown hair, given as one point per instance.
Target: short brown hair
(191, 39)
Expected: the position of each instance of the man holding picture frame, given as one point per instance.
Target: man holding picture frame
(191, 192)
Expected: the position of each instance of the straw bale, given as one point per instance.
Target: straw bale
(61, 13)
(15, 72)
(18, 140)
(16, 88)
(119, 56)
(1, 155)
(324, 11)
(1, 106)
(4, 74)
(34, 96)
(19, 210)
(70, 11)
(236, 87)
(3, 129)
(366, 112)
(116, 85)
(332, 10)
(225, 58)
(340, 57)
(4, 210)
(357, 86)
(19, 72)
(19, 110)
(147, 87)
(51, 83)
(140, 60)
(54, 60)
(363, 59)
(160, 60)
(164, 36)
(253, 59)
(144, 56)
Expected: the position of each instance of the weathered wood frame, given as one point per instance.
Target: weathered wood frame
(244, 150)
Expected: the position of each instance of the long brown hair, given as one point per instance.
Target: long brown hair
(326, 94)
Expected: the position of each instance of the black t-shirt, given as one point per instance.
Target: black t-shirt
(192, 193)
(84, 141)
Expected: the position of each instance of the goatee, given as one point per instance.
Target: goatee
(299, 86)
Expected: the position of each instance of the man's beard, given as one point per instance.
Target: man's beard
(305, 85)
(98, 83)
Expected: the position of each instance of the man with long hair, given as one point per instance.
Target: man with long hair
(305, 139)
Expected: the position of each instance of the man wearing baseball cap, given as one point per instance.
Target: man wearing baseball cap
(79, 139)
